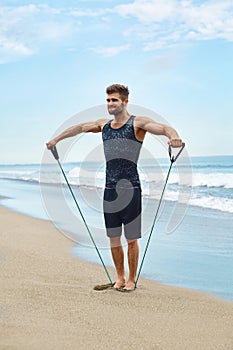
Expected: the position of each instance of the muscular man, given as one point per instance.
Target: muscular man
(122, 140)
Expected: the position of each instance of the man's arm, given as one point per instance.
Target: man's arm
(95, 126)
(147, 124)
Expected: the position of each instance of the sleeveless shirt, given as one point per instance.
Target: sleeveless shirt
(121, 149)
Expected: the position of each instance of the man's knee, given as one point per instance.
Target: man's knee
(115, 242)
(132, 242)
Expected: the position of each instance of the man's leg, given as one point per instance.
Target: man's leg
(133, 255)
(132, 230)
(118, 259)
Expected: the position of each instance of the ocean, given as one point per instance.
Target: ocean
(192, 241)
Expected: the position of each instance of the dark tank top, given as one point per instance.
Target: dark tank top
(121, 149)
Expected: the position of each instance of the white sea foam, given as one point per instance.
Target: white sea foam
(183, 197)
(30, 176)
(218, 203)
(77, 175)
(210, 190)
(212, 180)
(220, 180)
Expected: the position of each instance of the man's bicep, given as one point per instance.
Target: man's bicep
(94, 127)
(150, 125)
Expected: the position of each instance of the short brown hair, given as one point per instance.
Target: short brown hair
(121, 89)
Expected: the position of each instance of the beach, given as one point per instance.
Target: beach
(192, 242)
(48, 301)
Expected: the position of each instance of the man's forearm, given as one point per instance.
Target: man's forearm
(170, 133)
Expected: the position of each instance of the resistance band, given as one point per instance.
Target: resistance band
(172, 159)
(55, 154)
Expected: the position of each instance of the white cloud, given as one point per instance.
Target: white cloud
(25, 29)
(166, 23)
(148, 11)
(111, 51)
(146, 24)
(90, 12)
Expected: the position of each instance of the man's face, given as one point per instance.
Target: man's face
(115, 104)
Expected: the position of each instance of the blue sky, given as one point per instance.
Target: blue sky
(57, 57)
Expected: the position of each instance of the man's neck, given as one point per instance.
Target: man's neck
(122, 117)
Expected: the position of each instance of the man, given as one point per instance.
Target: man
(122, 139)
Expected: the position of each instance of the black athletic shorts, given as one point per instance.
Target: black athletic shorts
(123, 207)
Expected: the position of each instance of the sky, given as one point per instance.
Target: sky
(57, 57)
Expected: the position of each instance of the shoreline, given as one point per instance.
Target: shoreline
(163, 273)
(167, 271)
(49, 301)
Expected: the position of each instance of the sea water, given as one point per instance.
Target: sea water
(192, 241)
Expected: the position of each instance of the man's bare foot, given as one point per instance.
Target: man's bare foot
(130, 285)
(120, 283)
(128, 288)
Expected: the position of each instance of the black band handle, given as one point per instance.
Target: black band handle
(174, 158)
(54, 152)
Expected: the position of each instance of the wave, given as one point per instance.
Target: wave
(79, 176)
(218, 180)
(30, 176)
(217, 203)
(210, 184)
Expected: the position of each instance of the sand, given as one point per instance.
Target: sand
(48, 302)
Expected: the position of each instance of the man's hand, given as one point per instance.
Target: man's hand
(51, 144)
(175, 142)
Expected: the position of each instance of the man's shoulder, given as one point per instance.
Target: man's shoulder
(102, 122)
(140, 117)
(139, 121)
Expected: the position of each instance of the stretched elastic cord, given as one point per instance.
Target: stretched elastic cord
(172, 160)
(55, 154)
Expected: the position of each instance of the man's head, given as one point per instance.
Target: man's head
(122, 90)
(117, 98)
